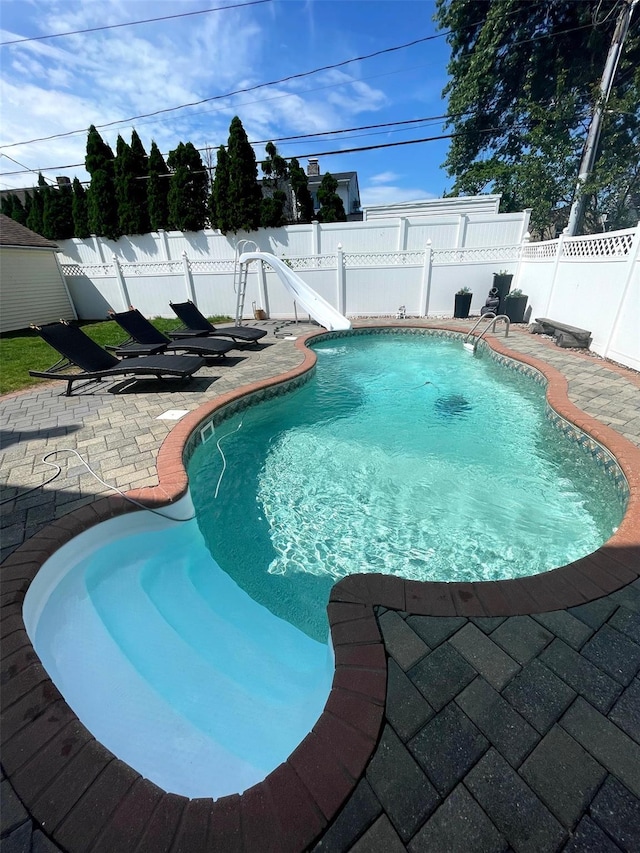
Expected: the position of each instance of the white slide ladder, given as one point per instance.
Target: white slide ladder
(322, 311)
(240, 274)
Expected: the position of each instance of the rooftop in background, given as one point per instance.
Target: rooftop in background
(434, 207)
(14, 234)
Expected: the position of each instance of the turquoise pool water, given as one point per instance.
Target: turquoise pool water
(198, 653)
(403, 455)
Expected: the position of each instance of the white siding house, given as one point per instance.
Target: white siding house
(32, 287)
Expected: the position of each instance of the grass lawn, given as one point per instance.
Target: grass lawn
(25, 350)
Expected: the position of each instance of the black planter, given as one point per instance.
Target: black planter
(462, 305)
(514, 308)
(503, 285)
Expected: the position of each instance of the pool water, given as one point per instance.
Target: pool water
(404, 455)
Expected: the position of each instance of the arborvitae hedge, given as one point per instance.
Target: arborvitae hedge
(101, 198)
(157, 190)
(79, 211)
(331, 206)
(245, 196)
(188, 189)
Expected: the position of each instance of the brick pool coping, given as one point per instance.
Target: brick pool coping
(85, 798)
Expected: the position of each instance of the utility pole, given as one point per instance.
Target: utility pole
(593, 136)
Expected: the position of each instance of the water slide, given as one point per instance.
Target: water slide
(317, 307)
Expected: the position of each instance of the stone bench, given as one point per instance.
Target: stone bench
(565, 336)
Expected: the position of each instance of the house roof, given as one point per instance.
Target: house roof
(14, 234)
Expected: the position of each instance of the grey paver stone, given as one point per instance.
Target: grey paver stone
(626, 712)
(594, 613)
(511, 805)
(381, 838)
(403, 789)
(434, 630)
(614, 653)
(13, 813)
(627, 622)
(407, 710)
(442, 675)
(584, 677)
(487, 623)
(563, 775)
(362, 808)
(19, 840)
(522, 637)
(589, 838)
(561, 623)
(617, 811)
(608, 744)
(629, 596)
(507, 731)
(485, 656)
(539, 695)
(401, 642)
(458, 825)
(447, 747)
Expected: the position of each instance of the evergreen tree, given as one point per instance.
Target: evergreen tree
(244, 191)
(187, 196)
(157, 190)
(272, 208)
(79, 211)
(34, 217)
(6, 206)
(331, 206)
(13, 207)
(219, 198)
(140, 185)
(127, 196)
(102, 204)
(300, 185)
(57, 216)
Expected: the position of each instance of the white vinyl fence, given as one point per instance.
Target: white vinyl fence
(591, 282)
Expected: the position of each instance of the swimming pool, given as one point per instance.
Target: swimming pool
(158, 612)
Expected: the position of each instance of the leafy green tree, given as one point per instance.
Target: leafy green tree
(219, 198)
(331, 206)
(158, 190)
(57, 216)
(102, 204)
(303, 201)
(244, 194)
(187, 197)
(79, 211)
(140, 186)
(523, 81)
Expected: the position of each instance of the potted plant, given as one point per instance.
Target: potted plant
(502, 281)
(515, 304)
(462, 303)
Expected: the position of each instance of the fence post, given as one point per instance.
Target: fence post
(402, 234)
(634, 255)
(341, 296)
(122, 285)
(554, 273)
(164, 244)
(461, 233)
(315, 237)
(425, 284)
(188, 278)
(524, 242)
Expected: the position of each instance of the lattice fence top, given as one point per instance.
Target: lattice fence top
(88, 270)
(540, 251)
(383, 259)
(311, 262)
(600, 246)
(152, 267)
(490, 254)
(211, 266)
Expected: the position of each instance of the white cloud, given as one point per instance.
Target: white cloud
(384, 178)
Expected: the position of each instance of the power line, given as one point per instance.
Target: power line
(286, 79)
(133, 23)
(391, 126)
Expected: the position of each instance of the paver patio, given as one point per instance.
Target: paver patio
(497, 733)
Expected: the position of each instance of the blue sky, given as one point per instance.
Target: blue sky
(53, 86)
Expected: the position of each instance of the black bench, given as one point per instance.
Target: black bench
(565, 336)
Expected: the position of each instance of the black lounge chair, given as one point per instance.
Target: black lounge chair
(196, 324)
(94, 362)
(145, 339)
